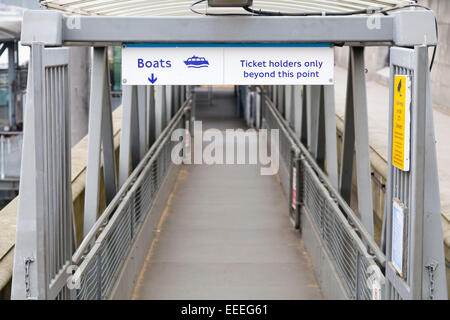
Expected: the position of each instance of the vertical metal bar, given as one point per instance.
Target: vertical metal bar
(160, 109)
(348, 141)
(182, 95)
(280, 99)
(125, 134)
(30, 275)
(313, 105)
(418, 125)
(52, 130)
(330, 135)
(135, 130)
(70, 225)
(48, 166)
(320, 152)
(258, 100)
(176, 99)
(12, 82)
(363, 169)
(288, 104)
(53, 170)
(386, 235)
(109, 154)
(142, 107)
(169, 103)
(274, 94)
(193, 94)
(92, 193)
(298, 110)
(304, 137)
(151, 115)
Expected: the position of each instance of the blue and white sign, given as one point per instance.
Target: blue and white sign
(398, 227)
(227, 64)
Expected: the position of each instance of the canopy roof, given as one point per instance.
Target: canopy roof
(181, 7)
(10, 26)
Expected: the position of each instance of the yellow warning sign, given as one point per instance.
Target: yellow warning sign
(401, 122)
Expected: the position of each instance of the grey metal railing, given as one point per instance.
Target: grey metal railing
(104, 249)
(354, 254)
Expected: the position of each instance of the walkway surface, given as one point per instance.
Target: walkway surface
(226, 232)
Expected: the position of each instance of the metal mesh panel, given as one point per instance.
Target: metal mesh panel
(99, 270)
(354, 265)
(59, 246)
(348, 253)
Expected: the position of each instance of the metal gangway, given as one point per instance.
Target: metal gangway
(347, 261)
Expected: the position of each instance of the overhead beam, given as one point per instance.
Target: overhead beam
(404, 28)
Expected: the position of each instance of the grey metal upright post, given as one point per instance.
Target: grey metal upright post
(169, 103)
(12, 82)
(313, 104)
(416, 189)
(356, 139)
(160, 109)
(280, 99)
(348, 141)
(298, 109)
(151, 115)
(100, 135)
(288, 104)
(330, 134)
(143, 120)
(129, 155)
(44, 233)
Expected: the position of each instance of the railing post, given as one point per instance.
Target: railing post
(13, 84)
(143, 123)
(160, 109)
(414, 189)
(356, 139)
(348, 140)
(100, 131)
(44, 232)
(330, 135)
(151, 124)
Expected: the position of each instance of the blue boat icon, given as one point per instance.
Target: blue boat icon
(196, 62)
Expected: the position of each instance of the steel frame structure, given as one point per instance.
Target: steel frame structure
(13, 86)
(308, 124)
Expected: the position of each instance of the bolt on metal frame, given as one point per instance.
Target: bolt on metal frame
(145, 118)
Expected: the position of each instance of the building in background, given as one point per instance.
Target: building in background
(14, 60)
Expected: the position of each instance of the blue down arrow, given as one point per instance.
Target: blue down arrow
(152, 79)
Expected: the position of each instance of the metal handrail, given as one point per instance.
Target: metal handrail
(118, 198)
(354, 220)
